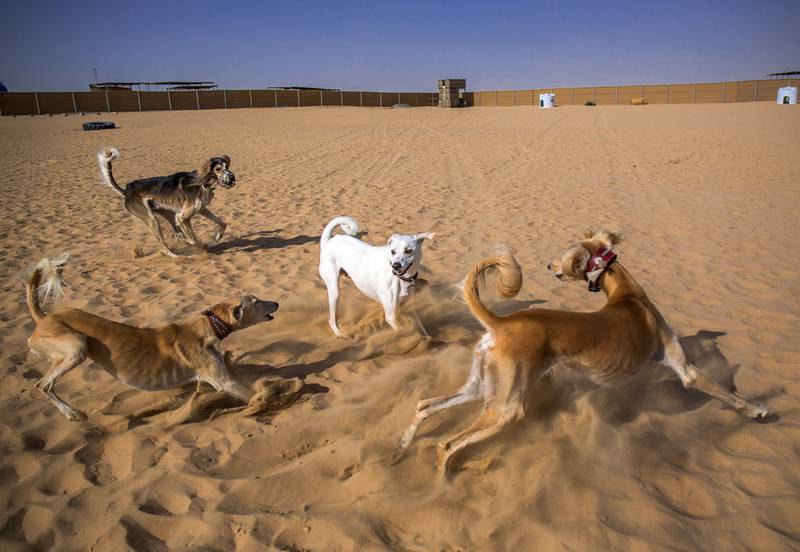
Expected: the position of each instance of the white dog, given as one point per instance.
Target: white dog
(384, 273)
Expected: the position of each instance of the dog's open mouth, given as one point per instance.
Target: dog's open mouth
(269, 317)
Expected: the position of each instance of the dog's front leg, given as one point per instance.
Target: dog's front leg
(155, 228)
(185, 223)
(390, 310)
(692, 378)
(218, 376)
(221, 226)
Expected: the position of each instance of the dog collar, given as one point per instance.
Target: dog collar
(221, 328)
(598, 263)
(408, 279)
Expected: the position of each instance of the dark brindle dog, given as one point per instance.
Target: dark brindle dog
(177, 197)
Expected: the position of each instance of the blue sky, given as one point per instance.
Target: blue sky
(395, 46)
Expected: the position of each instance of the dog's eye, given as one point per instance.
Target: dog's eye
(408, 251)
(392, 251)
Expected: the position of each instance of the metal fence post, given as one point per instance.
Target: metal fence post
(594, 95)
(197, 99)
(495, 98)
(108, 105)
(250, 93)
(573, 96)
(36, 97)
(380, 99)
(275, 93)
(225, 99)
(341, 98)
(616, 95)
(360, 99)
(694, 92)
(724, 85)
(169, 99)
(667, 93)
(138, 99)
(321, 103)
(514, 98)
(75, 104)
(755, 91)
(298, 97)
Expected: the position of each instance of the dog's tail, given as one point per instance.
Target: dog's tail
(509, 282)
(104, 158)
(38, 293)
(349, 225)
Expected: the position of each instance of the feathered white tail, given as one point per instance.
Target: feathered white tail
(104, 158)
(348, 224)
(39, 293)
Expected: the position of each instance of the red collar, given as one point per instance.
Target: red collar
(598, 263)
(221, 328)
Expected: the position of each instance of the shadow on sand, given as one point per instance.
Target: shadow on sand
(264, 239)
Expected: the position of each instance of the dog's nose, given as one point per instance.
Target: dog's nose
(395, 265)
(560, 276)
(276, 306)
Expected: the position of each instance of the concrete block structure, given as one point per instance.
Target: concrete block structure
(451, 92)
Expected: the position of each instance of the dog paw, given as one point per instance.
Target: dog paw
(76, 416)
(759, 412)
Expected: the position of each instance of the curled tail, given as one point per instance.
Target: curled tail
(38, 293)
(509, 281)
(104, 158)
(349, 225)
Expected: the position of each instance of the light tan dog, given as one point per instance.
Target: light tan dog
(517, 350)
(144, 358)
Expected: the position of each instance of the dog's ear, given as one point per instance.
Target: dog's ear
(424, 236)
(227, 160)
(588, 234)
(579, 261)
(391, 239)
(607, 238)
(238, 312)
(205, 168)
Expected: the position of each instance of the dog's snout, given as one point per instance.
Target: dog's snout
(560, 276)
(396, 266)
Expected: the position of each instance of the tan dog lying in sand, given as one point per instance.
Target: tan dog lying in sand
(144, 358)
(517, 350)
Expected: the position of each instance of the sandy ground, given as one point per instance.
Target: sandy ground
(707, 195)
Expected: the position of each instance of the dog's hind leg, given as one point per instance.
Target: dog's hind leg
(506, 388)
(470, 391)
(330, 275)
(66, 352)
(221, 226)
(692, 378)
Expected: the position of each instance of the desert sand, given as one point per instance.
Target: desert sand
(707, 196)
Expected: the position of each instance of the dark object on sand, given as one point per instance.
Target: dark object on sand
(590, 103)
(98, 125)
